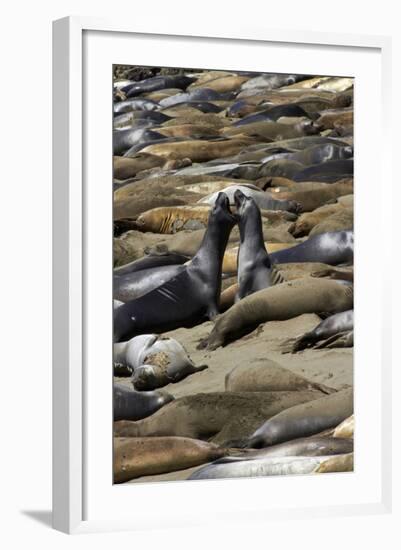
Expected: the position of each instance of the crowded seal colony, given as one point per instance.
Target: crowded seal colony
(233, 274)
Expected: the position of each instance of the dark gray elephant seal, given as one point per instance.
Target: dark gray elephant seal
(335, 325)
(336, 247)
(155, 361)
(254, 267)
(191, 296)
(305, 419)
(129, 404)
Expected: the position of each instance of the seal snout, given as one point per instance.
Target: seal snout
(224, 202)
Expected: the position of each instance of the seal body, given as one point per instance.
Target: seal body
(132, 405)
(276, 303)
(144, 456)
(154, 361)
(303, 420)
(331, 248)
(254, 266)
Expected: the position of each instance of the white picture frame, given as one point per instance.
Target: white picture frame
(73, 216)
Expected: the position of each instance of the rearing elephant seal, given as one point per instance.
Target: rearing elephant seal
(155, 361)
(189, 297)
(254, 266)
(278, 303)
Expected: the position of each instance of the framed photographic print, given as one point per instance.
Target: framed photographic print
(218, 328)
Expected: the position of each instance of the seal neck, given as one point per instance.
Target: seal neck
(251, 230)
(211, 251)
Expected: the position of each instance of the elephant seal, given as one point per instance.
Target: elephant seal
(278, 303)
(130, 286)
(304, 446)
(269, 376)
(215, 416)
(135, 105)
(271, 81)
(303, 420)
(346, 428)
(340, 463)
(339, 273)
(189, 297)
(342, 220)
(311, 198)
(308, 220)
(332, 248)
(330, 171)
(334, 325)
(254, 267)
(155, 361)
(274, 131)
(133, 405)
(125, 167)
(159, 82)
(273, 114)
(144, 456)
(262, 200)
(260, 467)
(171, 219)
(198, 150)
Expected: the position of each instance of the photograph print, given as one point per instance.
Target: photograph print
(232, 274)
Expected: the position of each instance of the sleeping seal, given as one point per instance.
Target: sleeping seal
(155, 361)
(133, 405)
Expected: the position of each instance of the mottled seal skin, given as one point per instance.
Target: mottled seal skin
(189, 297)
(304, 420)
(217, 416)
(278, 303)
(133, 405)
(334, 325)
(144, 456)
(155, 361)
(173, 219)
(346, 428)
(260, 467)
(254, 266)
(332, 248)
(269, 376)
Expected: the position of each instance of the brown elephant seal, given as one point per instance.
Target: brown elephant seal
(334, 325)
(198, 150)
(275, 131)
(269, 376)
(308, 220)
(330, 117)
(133, 405)
(339, 273)
(339, 221)
(144, 456)
(339, 463)
(125, 167)
(279, 303)
(155, 361)
(189, 297)
(304, 419)
(217, 416)
(173, 218)
(346, 428)
(310, 199)
(222, 84)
